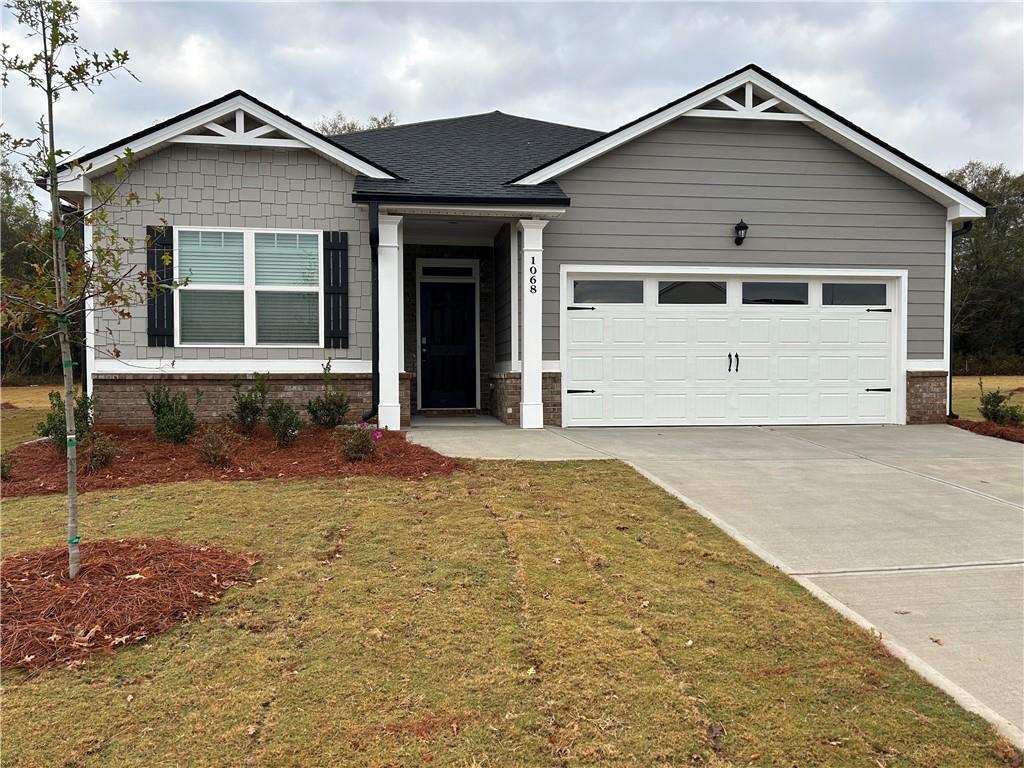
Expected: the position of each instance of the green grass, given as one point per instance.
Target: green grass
(517, 614)
(17, 425)
(965, 392)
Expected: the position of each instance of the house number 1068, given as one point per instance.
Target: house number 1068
(533, 274)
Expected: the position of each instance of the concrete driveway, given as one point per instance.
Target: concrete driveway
(917, 531)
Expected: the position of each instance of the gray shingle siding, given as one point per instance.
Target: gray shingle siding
(216, 187)
(673, 196)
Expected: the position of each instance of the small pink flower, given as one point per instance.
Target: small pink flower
(377, 435)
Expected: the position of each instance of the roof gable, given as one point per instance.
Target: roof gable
(753, 93)
(234, 120)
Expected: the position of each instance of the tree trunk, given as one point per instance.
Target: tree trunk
(62, 288)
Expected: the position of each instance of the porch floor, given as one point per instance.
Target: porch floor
(484, 437)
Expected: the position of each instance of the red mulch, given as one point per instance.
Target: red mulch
(126, 591)
(1012, 432)
(39, 469)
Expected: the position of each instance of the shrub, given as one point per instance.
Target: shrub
(173, 420)
(330, 408)
(248, 407)
(6, 466)
(358, 443)
(216, 444)
(284, 422)
(52, 426)
(97, 451)
(996, 407)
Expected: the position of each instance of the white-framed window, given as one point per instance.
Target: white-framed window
(248, 287)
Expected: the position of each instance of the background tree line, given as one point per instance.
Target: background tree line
(988, 267)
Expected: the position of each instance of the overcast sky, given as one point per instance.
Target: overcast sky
(942, 81)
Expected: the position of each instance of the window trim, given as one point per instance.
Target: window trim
(249, 288)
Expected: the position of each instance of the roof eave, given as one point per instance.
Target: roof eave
(399, 197)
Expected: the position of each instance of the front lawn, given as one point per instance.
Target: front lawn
(966, 393)
(18, 424)
(516, 614)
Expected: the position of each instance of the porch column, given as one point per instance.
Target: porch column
(389, 320)
(531, 414)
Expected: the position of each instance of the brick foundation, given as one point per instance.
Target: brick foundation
(120, 400)
(507, 395)
(926, 397)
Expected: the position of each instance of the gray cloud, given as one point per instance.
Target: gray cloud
(942, 81)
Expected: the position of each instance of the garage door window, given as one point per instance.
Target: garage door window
(853, 294)
(691, 292)
(608, 291)
(774, 293)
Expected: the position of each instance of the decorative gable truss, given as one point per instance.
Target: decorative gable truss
(240, 129)
(234, 120)
(748, 102)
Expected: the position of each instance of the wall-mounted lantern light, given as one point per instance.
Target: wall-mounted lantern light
(741, 232)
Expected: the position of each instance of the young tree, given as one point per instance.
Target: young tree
(45, 303)
(337, 124)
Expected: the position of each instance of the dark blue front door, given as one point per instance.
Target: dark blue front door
(448, 345)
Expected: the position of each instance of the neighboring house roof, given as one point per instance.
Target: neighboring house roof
(788, 103)
(464, 159)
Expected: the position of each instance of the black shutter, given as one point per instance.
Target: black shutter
(160, 303)
(336, 290)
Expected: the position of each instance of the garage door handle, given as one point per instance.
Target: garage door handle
(878, 389)
(730, 362)
(580, 391)
(578, 309)
(737, 362)
(887, 309)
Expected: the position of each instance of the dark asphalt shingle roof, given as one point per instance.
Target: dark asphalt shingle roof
(464, 159)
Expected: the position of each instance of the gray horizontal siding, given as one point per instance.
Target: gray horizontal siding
(216, 187)
(673, 196)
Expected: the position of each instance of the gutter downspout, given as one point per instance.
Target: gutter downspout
(374, 313)
(965, 229)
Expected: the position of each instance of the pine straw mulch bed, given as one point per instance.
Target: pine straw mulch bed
(1011, 432)
(39, 469)
(127, 590)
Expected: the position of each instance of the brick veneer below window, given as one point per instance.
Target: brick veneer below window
(120, 400)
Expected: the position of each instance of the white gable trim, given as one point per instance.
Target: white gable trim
(181, 131)
(856, 142)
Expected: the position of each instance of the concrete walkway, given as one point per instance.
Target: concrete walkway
(917, 532)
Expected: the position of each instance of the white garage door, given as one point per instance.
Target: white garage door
(676, 350)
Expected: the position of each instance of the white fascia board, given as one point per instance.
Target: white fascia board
(856, 142)
(153, 141)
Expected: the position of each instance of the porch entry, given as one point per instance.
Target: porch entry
(448, 331)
